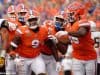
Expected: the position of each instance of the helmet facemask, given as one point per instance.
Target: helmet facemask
(59, 23)
(21, 17)
(71, 17)
(12, 16)
(33, 23)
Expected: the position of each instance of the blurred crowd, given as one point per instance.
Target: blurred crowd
(48, 8)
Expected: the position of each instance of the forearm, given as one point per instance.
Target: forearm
(62, 47)
(55, 53)
(14, 44)
(75, 34)
(5, 37)
(82, 31)
(52, 46)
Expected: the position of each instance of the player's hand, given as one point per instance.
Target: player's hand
(61, 56)
(52, 37)
(58, 66)
(12, 54)
(19, 61)
(2, 62)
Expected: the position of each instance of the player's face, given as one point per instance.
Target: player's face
(21, 16)
(59, 23)
(12, 16)
(33, 23)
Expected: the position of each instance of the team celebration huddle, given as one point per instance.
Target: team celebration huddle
(67, 42)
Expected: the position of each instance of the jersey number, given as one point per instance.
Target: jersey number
(35, 43)
(97, 42)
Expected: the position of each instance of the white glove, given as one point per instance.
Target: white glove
(58, 66)
(3, 53)
(12, 26)
(53, 38)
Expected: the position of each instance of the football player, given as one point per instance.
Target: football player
(50, 53)
(12, 16)
(79, 30)
(21, 11)
(28, 40)
(4, 36)
(13, 25)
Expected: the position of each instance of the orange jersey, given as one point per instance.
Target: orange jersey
(83, 46)
(30, 41)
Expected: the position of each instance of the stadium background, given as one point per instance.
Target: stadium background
(48, 8)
